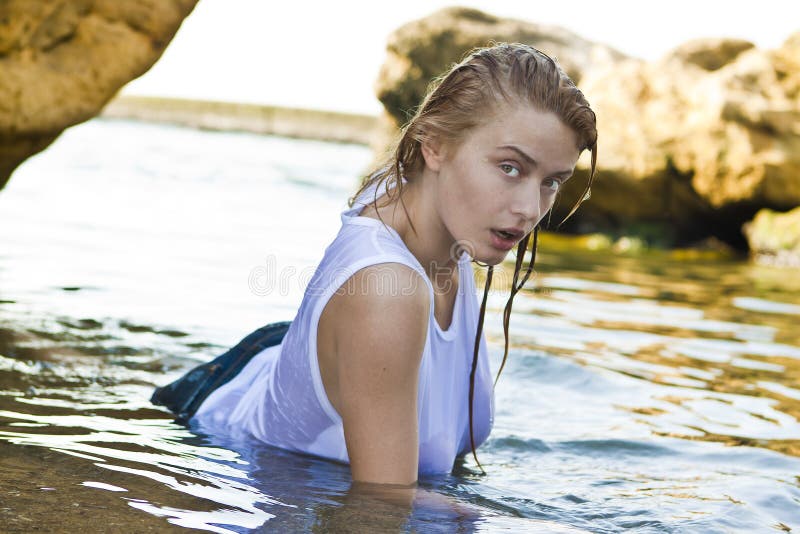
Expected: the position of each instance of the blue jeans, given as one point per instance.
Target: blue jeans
(184, 396)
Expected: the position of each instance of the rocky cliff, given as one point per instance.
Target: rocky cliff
(61, 61)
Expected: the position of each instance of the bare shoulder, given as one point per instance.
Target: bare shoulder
(382, 304)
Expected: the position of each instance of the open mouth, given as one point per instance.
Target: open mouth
(511, 236)
(506, 239)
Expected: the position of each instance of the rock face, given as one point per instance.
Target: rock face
(709, 136)
(423, 49)
(61, 61)
(691, 145)
(711, 54)
(774, 238)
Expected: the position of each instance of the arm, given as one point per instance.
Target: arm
(375, 339)
(374, 330)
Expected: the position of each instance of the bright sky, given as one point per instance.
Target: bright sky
(326, 55)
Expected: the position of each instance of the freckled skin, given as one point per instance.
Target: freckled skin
(478, 186)
(467, 190)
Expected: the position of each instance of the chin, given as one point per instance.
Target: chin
(492, 258)
(485, 253)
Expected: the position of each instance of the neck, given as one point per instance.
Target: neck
(422, 230)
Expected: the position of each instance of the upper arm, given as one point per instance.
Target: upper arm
(377, 323)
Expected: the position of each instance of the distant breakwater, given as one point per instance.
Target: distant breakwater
(227, 116)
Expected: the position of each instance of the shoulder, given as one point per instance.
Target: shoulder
(380, 313)
(387, 283)
(382, 298)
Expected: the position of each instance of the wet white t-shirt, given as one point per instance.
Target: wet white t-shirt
(279, 398)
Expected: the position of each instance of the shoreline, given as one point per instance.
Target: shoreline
(319, 125)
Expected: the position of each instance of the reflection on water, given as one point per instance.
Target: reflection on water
(733, 351)
(644, 393)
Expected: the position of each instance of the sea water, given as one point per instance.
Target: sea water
(641, 393)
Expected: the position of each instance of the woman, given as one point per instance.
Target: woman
(385, 366)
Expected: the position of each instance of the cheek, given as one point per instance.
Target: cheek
(476, 187)
(469, 201)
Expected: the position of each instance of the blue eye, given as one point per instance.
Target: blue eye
(509, 169)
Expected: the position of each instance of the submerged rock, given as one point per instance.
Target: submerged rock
(61, 61)
(774, 237)
(693, 144)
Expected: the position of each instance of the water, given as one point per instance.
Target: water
(643, 393)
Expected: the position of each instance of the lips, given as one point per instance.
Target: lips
(506, 238)
(510, 233)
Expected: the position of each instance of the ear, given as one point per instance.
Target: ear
(433, 153)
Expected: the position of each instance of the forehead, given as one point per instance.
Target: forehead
(541, 134)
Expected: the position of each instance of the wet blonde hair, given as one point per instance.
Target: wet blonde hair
(467, 96)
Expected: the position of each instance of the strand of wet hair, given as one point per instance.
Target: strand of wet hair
(516, 286)
(521, 248)
(482, 314)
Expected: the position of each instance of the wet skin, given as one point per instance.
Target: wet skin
(483, 194)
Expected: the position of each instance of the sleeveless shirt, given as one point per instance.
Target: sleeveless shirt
(279, 397)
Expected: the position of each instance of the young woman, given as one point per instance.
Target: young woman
(385, 366)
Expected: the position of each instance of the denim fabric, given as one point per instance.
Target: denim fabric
(184, 396)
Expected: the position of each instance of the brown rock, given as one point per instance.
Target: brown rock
(699, 150)
(743, 143)
(774, 238)
(61, 61)
(423, 49)
(711, 54)
(786, 61)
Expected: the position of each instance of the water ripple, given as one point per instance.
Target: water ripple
(640, 392)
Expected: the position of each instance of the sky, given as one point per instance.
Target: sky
(326, 55)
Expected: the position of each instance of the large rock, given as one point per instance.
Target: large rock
(423, 49)
(774, 238)
(690, 145)
(703, 139)
(61, 61)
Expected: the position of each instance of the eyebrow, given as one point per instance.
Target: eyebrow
(567, 173)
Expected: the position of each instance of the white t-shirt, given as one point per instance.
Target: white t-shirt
(279, 398)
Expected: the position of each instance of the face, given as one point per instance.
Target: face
(498, 183)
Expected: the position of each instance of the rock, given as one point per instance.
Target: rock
(711, 54)
(774, 238)
(61, 61)
(699, 149)
(706, 148)
(423, 49)
(692, 144)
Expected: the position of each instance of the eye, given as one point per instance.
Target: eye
(552, 184)
(509, 169)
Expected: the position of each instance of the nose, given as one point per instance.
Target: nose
(527, 202)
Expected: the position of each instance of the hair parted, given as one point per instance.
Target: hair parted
(467, 96)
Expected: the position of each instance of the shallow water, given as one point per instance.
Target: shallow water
(641, 393)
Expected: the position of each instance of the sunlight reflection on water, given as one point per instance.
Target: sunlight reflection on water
(640, 393)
